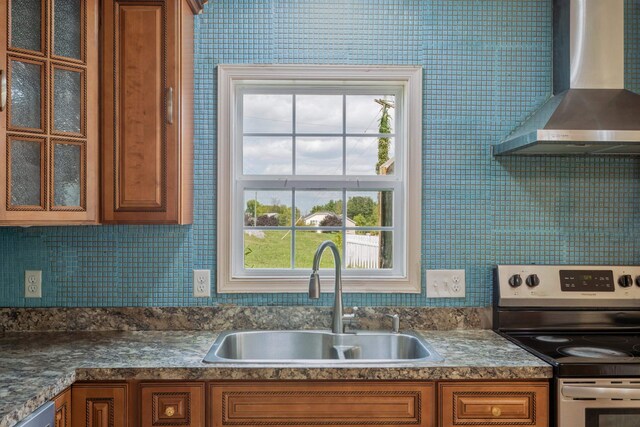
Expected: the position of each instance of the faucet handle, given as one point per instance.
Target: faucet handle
(395, 322)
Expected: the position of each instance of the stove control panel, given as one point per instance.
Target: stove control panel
(567, 285)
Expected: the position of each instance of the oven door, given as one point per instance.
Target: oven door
(598, 403)
(611, 417)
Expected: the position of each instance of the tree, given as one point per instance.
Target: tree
(384, 126)
(363, 210)
(331, 221)
(267, 221)
(333, 206)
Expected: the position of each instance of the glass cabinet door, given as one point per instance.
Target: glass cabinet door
(46, 107)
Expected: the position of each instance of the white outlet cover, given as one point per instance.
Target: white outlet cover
(33, 284)
(445, 283)
(202, 283)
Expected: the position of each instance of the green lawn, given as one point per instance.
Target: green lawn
(274, 250)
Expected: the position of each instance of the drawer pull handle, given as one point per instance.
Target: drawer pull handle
(170, 105)
(3, 90)
(170, 411)
(495, 411)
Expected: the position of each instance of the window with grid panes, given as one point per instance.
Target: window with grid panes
(314, 160)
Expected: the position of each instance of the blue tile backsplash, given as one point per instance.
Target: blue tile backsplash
(487, 65)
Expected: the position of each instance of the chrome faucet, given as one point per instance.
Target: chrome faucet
(338, 319)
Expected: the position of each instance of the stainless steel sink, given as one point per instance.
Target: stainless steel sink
(293, 347)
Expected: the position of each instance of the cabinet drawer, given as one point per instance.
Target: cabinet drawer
(172, 404)
(322, 403)
(490, 404)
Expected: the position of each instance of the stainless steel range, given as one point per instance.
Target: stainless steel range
(585, 321)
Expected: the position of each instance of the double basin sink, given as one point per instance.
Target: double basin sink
(324, 347)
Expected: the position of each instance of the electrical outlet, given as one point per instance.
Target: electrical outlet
(445, 284)
(33, 284)
(201, 283)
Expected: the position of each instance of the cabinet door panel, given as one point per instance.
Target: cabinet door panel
(25, 103)
(146, 162)
(172, 404)
(68, 21)
(68, 100)
(494, 404)
(63, 409)
(26, 173)
(140, 139)
(68, 158)
(26, 24)
(321, 404)
(52, 100)
(97, 405)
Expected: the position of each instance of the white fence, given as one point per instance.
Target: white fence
(363, 251)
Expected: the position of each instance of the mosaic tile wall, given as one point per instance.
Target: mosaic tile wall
(487, 65)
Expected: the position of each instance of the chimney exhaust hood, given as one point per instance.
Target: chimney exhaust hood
(590, 112)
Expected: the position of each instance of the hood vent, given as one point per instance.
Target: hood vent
(590, 112)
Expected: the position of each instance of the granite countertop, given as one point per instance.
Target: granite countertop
(34, 367)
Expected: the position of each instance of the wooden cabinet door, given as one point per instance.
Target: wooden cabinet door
(144, 162)
(63, 409)
(494, 404)
(48, 112)
(311, 403)
(172, 405)
(99, 405)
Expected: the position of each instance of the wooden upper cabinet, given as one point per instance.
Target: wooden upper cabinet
(49, 112)
(99, 405)
(147, 97)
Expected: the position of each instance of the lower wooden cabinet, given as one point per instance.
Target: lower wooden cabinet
(305, 403)
(99, 405)
(172, 404)
(494, 404)
(62, 403)
(322, 404)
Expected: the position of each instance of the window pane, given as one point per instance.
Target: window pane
(319, 156)
(267, 113)
(25, 173)
(267, 249)
(67, 180)
(67, 100)
(67, 15)
(25, 94)
(267, 208)
(318, 206)
(369, 208)
(370, 250)
(25, 24)
(267, 155)
(319, 113)
(308, 241)
(366, 156)
(365, 111)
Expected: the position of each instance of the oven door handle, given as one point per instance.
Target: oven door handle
(589, 392)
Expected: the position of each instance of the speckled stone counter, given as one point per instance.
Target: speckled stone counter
(34, 367)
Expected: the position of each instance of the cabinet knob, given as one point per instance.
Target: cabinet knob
(495, 411)
(170, 411)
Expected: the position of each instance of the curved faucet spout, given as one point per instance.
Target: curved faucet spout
(314, 284)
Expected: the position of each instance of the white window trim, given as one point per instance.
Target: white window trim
(410, 78)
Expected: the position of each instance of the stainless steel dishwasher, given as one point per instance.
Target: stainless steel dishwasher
(44, 416)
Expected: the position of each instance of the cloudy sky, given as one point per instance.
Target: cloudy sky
(273, 155)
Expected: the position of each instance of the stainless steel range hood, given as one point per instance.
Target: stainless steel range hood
(590, 112)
